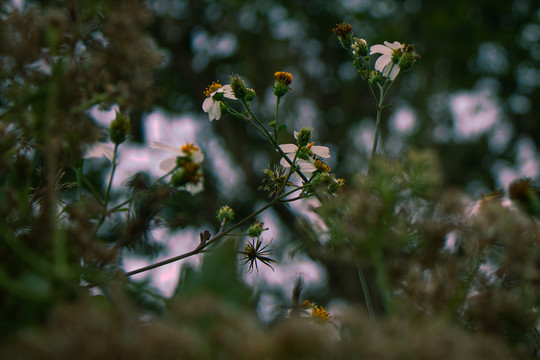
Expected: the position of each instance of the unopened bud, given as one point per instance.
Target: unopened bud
(119, 129)
(225, 214)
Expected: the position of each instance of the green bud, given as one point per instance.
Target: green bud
(256, 229)
(407, 61)
(280, 89)
(250, 95)
(375, 78)
(238, 87)
(119, 129)
(303, 137)
(225, 214)
(360, 47)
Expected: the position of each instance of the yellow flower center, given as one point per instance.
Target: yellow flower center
(189, 148)
(212, 88)
(322, 167)
(283, 77)
(320, 314)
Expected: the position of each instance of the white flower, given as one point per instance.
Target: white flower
(100, 150)
(306, 166)
(169, 163)
(213, 107)
(384, 63)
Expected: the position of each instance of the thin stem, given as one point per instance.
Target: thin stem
(274, 143)
(365, 290)
(109, 185)
(202, 246)
(377, 129)
(278, 99)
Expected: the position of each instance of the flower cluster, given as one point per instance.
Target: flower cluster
(394, 57)
(185, 165)
(307, 156)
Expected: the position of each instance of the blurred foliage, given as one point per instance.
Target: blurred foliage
(442, 276)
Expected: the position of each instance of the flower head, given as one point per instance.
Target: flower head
(387, 63)
(185, 165)
(344, 33)
(214, 95)
(188, 151)
(225, 213)
(253, 252)
(320, 314)
(282, 80)
(306, 155)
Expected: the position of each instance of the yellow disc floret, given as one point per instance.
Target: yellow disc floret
(320, 314)
(189, 148)
(283, 77)
(212, 88)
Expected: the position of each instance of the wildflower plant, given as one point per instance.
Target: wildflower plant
(425, 260)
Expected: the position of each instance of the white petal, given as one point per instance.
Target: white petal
(380, 49)
(322, 151)
(394, 72)
(386, 70)
(198, 156)
(167, 148)
(194, 189)
(228, 92)
(288, 148)
(207, 104)
(215, 111)
(395, 45)
(284, 163)
(99, 151)
(306, 167)
(295, 134)
(382, 61)
(168, 164)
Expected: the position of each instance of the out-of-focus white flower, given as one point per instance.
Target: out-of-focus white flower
(188, 150)
(305, 158)
(212, 106)
(386, 63)
(100, 150)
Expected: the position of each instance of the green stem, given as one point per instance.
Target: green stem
(109, 185)
(365, 290)
(274, 143)
(214, 238)
(377, 129)
(278, 99)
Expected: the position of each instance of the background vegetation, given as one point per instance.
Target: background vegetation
(443, 283)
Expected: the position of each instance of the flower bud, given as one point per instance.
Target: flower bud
(282, 80)
(408, 59)
(375, 78)
(256, 229)
(302, 137)
(360, 47)
(344, 33)
(225, 214)
(119, 129)
(238, 87)
(250, 95)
